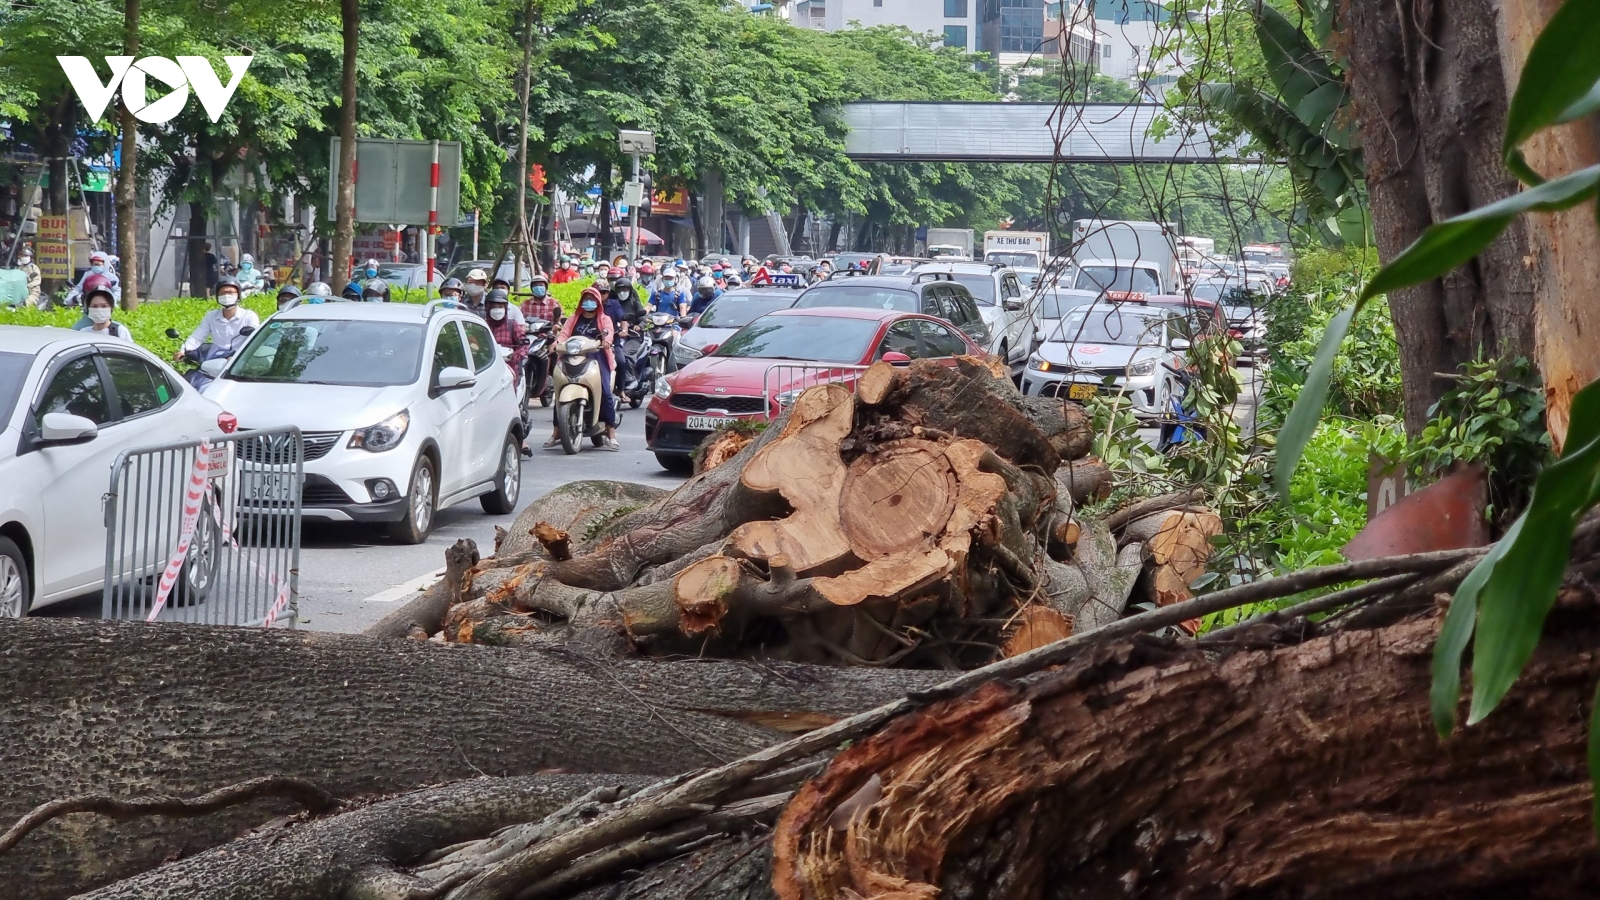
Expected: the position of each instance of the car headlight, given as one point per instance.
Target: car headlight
(574, 346)
(663, 389)
(1037, 364)
(1142, 367)
(684, 351)
(385, 435)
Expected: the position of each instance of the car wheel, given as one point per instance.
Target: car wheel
(635, 402)
(420, 503)
(508, 484)
(676, 463)
(15, 595)
(569, 426)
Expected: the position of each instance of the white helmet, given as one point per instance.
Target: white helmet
(706, 283)
(669, 272)
(247, 259)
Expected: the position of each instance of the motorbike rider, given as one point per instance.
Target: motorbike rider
(502, 283)
(668, 298)
(451, 291)
(566, 271)
(369, 271)
(630, 311)
(477, 286)
(508, 332)
(318, 292)
(98, 305)
(288, 297)
(821, 272)
(375, 291)
(733, 279)
(97, 266)
(541, 305)
(591, 322)
(352, 291)
(221, 326)
(705, 291)
(36, 297)
(249, 276)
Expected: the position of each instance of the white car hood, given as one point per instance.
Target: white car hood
(1088, 355)
(313, 407)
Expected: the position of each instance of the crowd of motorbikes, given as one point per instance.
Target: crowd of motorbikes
(572, 383)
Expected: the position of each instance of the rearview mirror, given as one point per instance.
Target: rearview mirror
(895, 358)
(1012, 304)
(1180, 343)
(454, 378)
(173, 333)
(247, 331)
(65, 428)
(215, 366)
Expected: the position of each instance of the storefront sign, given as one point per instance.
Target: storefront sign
(50, 248)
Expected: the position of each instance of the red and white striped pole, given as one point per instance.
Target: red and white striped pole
(433, 214)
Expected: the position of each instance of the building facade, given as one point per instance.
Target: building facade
(954, 21)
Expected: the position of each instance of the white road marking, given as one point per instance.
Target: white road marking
(402, 591)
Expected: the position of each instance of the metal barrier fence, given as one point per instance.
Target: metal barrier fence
(786, 381)
(206, 531)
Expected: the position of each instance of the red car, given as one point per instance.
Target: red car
(763, 366)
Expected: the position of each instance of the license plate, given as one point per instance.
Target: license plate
(706, 423)
(267, 487)
(1081, 391)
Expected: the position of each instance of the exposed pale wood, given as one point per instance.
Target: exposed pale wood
(897, 498)
(556, 542)
(719, 447)
(881, 383)
(1036, 626)
(426, 612)
(1084, 480)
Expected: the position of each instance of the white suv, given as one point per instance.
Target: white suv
(405, 410)
(69, 404)
(1000, 301)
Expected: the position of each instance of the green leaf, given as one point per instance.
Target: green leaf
(1452, 242)
(1456, 631)
(1587, 104)
(1302, 419)
(1563, 66)
(1522, 585)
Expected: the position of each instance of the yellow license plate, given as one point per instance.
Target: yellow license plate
(1081, 391)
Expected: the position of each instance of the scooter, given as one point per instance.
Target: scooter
(1180, 425)
(536, 366)
(198, 357)
(640, 350)
(578, 392)
(663, 328)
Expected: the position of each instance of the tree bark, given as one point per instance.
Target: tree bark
(1430, 94)
(344, 222)
(127, 174)
(180, 710)
(1565, 246)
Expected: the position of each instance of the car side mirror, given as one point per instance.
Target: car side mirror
(896, 358)
(1012, 304)
(454, 378)
(215, 366)
(247, 331)
(65, 428)
(1180, 343)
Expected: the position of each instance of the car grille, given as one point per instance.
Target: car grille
(320, 491)
(734, 404)
(274, 449)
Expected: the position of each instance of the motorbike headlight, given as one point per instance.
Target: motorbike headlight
(574, 346)
(663, 389)
(1142, 367)
(385, 435)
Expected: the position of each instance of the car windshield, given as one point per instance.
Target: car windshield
(820, 338)
(739, 310)
(1014, 260)
(1238, 313)
(980, 286)
(1117, 278)
(1110, 327)
(1054, 306)
(858, 296)
(1206, 290)
(395, 271)
(314, 351)
(13, 369)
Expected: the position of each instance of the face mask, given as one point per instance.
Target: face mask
(497, 314)
(227, 301)
(623, 295)
(539, 290)
(248, 266)
(475, 290)
(98, 270)
(24, 260)
(99, 315)
(589, 305)
(314, 300)
(372, 273)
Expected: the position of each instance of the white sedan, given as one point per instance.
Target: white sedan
(69, 404)
(404, 409)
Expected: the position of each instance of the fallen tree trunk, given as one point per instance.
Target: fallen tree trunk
(134, 710)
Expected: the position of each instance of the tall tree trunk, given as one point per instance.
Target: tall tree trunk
(523, 233)
(57, 144)
(1565, 246)
(128, 173)
(1431, 97)
(344, 222)
(180, 710)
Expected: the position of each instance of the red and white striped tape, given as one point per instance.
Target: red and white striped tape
(273, 581)
(193, 495)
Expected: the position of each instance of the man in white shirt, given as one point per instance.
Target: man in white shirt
(223, 324)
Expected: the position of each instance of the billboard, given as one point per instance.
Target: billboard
(670, 202)
(393, 181)
(50, 248)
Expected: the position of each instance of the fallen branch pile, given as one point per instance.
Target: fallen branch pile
(930, 518)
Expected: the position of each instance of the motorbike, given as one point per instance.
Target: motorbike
(643, 357)
(536, 382)
(1180, 425)
(577, 388)
(198, 357)
(665, 333)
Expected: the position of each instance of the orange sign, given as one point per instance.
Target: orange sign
(50, 249)
(671, 202)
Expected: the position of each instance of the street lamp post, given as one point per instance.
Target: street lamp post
(637, 144)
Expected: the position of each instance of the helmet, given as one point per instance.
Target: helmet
(734, 280)
(97, 255)
(669, 272)
(500, 279)
(477, 275)
(227, 281)
(247, 260)
(351, 292)
(375, 291)
(615, 272)
(646, 268)
(369, 264)
(97, 284)
(498, 295)
(706, 283)
(538, 278)
(621, 283)
(288, 297)
(319, 289)
(452, 284)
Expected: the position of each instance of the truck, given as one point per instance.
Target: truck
(1017, 249)
(950, 243)
(1147, 244)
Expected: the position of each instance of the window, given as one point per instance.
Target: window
(331, 351)
(77, 391)
(1009, 287)
(955, 36)
(966, 308)
(140, 388)
(1105, 50)
(901, 338)
(877, 2)
(1021, 25)
(449, 350)
(941, 341)
(481, 341)
(955, 9)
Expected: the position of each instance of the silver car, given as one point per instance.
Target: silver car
(1126, 349)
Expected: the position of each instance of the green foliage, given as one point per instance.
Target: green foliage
(1560, 81)
(1494, 415)
(147, 324)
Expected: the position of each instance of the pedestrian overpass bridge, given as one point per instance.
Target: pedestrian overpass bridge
(916, 131)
